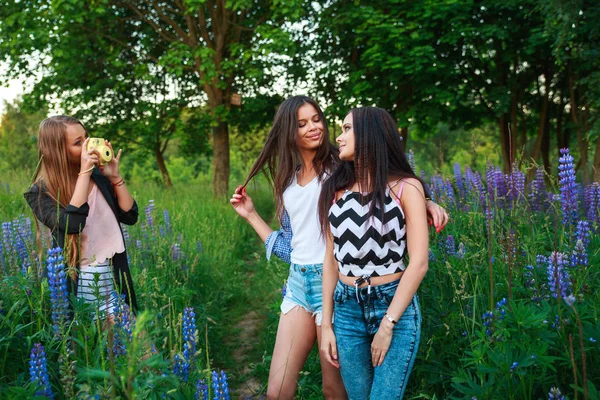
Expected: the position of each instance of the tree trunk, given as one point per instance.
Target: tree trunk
(546, 143)
(581, 124)
(596, 167)
(543, 122)
(514, 129)
(221, 160)
(506, 143)
(160, 160)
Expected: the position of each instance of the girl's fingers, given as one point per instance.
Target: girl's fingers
(118, 157)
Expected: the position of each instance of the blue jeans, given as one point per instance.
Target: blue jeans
(304, 288)
(355, 326)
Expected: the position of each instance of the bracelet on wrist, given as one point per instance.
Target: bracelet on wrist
(86, 171)
(119, 183)
(389, 318)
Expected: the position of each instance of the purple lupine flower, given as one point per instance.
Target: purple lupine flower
(516, 186)
(555, 394)
(148, 211)
(460, 184)
(500, 307)
(284, 289)
(214, 380)
(23, 255)
(431, 255)
(1, 255)
(57, 281)
(126, 235)
(437, 187)
(220, 386)
(138, 244)
(181, 368)
(411, 160)
(450, 246)
(537, 191)
(488, 320)
(176, 252)
(582, 233)
(558, 276)
(224, 386)
(489, 217)
(568, 187)
(592, 203)
(530, 283)
(124, 324)
(38, 371)
(190, 334)
(514, 366)
(201, 390)
(449, 192)
(570, 300)
(478, 185)
(461, 250)
(7, 236)
(167, 219)
(199, 246)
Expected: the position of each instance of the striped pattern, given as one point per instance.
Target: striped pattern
(96, 286)
(364, 245)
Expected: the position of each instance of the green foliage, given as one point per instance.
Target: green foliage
(18, 137)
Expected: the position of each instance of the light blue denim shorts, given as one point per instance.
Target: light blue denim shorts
(304, 288)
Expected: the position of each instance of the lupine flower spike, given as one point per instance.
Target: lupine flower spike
(38, 371)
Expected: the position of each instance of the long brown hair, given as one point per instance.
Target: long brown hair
(54, 173)
(280, 156)
(378, 155)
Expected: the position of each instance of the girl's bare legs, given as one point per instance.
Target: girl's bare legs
(333, 387)
(296, 337)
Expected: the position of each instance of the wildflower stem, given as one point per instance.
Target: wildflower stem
(573, 364)
(583, 361)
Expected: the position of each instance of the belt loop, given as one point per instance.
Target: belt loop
(356, 291)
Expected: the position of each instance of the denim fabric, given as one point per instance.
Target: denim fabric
(280, 242)
(355, 326)
(304, 288)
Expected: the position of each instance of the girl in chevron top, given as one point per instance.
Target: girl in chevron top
(373, 214)
(297, 158)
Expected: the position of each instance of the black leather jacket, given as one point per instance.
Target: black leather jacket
(68, 220)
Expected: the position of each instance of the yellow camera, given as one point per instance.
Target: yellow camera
(105, 152)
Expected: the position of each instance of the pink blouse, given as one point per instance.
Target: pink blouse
(101, 237)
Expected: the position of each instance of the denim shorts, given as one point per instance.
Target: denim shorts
(358, 314)
(304, 288)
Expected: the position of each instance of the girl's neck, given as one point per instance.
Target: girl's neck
(307, 167)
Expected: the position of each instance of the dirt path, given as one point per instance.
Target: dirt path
(250, 327)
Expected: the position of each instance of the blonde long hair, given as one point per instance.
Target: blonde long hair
(54, 175)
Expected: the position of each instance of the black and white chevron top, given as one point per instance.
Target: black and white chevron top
(363, 245)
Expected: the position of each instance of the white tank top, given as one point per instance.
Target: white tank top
(301, 204)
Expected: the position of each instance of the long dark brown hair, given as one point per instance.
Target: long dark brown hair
(280, 156)
(378, 156)
(54, 173)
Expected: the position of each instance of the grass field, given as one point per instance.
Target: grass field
(510, 304)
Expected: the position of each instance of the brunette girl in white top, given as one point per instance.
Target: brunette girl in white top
(296, 159)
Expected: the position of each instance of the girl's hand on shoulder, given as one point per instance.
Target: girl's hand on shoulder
(89, 159)
(329, 346)
(111, 170)
(241, 202)
(436, 215)
(381, 342)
